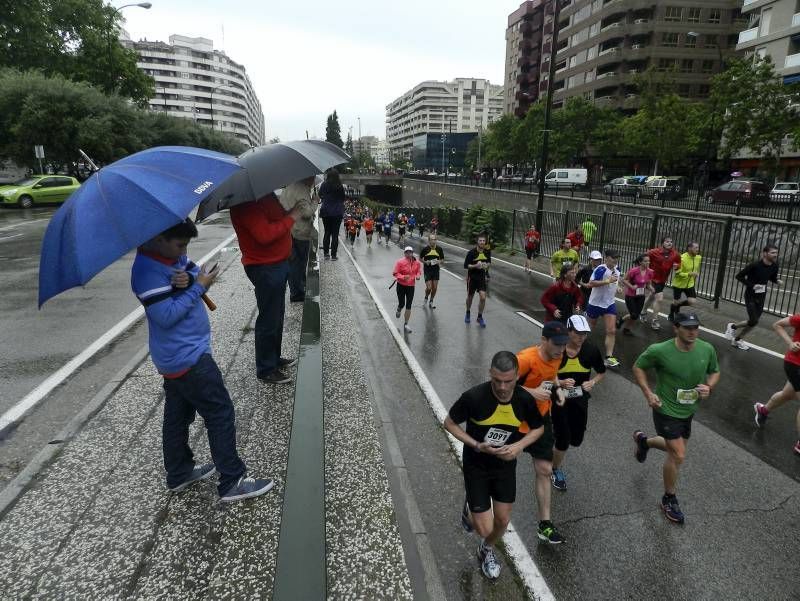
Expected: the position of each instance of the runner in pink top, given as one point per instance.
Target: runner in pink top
(406, 272)
(637, 283)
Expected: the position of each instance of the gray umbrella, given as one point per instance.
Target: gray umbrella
(268, 168)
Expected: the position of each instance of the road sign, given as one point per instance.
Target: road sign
(39, 151)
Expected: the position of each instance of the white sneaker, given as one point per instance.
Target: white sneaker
(740, 344)
(729, 331)
(655, 324)
(407, 328)
(489, 564)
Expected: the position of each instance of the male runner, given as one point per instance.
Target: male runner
(494, 412)
(412, 223)
(387, 228)
(585, 273)
(602, 301)
(565, 254)
(538, 372)
(402, 222)
(791, 366)
(476, 263)
(754, 277)
(432, 256)
(369, 228)
(662, 261)
(351, 225)
(683, 281)
(569, 420)
(687, 371)
(379, 226)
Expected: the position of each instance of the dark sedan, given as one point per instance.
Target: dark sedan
(742, 192)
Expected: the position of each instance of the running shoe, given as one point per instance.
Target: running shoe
(199, 472)
(740, 344)
(547, 532)
(465, 523)
(655, 324)
(425, 302)
(481, 322)
(761, 414)
(640, 439)
(796, 448)
(466, 317)
(669, 503)
(489, 564)
(620, 321)
(334, 258)
(611, 361)
(246, 488)
(407, 328)
(729, 331)
(397, 313)
(431, 305)
(559, 479)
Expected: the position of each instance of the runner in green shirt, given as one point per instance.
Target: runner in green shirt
(687, 370)
(565, 254)
(588, 228)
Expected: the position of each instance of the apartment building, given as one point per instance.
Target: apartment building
(773, 30)
(461, 105)
(603, 44)
(194, 81)
(523, 64)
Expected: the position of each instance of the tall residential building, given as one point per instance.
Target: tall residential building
(524, 56)
(603, 44)
(461, 105)
(774, 31)
(194, 81)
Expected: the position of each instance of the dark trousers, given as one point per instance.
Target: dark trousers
(330, 240)
(200, 390)
(270, 285)
(298, 262)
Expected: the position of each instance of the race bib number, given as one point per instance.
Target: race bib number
(575, 392)
(640, 292)
(433, 262)
(496, 437)
(760, 288)
(687, 397)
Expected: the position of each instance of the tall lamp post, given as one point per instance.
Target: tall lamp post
(111, 66)
(709, 156)
(224, 87)
(548, 107)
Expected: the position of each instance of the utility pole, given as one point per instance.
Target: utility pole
(547, 110)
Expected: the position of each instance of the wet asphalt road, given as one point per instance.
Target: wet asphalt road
(738, 506)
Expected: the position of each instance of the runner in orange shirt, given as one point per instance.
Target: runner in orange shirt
(369, 227)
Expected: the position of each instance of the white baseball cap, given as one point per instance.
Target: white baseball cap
(578, 323)
(595, 254)
(408, 248)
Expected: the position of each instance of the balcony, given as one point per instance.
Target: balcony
(611, 26)
(793, 60)
(796, 20)
(611, 50)
(606, 75)
(748, 35)
(748, 2)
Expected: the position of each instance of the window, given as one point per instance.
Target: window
(766, 18)
(673, 13)
(693, 15)
(666, 64)
(708, 67)
(690, 41)
(711, 41)
(714, 15)
(687, 65)
(669, 38)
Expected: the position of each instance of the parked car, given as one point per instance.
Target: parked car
(566, 178)
(666, 188)
(745, 192)
(785, 192)
(38, 189)
(623, 186)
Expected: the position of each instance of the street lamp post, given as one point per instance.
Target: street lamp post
(111, 65)
(709, 156)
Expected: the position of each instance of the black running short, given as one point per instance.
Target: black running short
(529, 253)
(569, 422)
(402, 230)
(486, 484)
(476, 283)
(689, 292)
(543, 448)
(635, 305)
(792, 371)
(659, 287)
(405, 296)
(431, 272)
(670, 427)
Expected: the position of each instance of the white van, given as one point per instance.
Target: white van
(566, 178)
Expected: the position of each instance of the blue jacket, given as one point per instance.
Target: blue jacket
(178, 322)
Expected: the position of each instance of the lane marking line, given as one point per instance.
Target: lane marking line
(33, 398)
(764, 350)
(532, 578)
(7, 238)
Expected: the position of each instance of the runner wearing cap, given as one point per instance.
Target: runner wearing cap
(406, 272)
(585, 273)
(431, 256)
(791, 366)
(662, 261)
(569, 420)
(686, 371)
(603, 283)
(494, 412)
(538, 372)
(683, 281)
(476, 263)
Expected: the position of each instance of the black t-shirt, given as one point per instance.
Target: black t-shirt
(428, 254)
(758, 273)
(580, 368)
(474, 257)
(584, 275)
(490, 420)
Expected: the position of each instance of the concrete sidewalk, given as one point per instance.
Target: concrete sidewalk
(96, 521)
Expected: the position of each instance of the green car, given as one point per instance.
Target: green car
(38, 189)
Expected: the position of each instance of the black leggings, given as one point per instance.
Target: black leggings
(754, 303)
(569, 422)
(405, 296)
(330, 241)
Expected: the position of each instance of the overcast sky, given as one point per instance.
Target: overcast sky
(309, 57)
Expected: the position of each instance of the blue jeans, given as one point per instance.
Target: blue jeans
(270, 284)
(297, 268)
(200, 390)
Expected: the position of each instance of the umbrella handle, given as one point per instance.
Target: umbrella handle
(209, 303)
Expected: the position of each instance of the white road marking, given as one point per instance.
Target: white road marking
(6, 238)
(447, 271)
(21, 224)
(532, 578)
(530, 319)
(33, 398)
(756, 347)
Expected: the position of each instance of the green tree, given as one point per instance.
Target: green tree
(74, 38)
(333, 133)
(497, 141)
(348, 146)
(576, 127)
(275, 140)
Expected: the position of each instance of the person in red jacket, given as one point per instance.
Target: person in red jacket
(264, 230)
(406, 272)
(564, 298)
(576, 238)
(662, 260)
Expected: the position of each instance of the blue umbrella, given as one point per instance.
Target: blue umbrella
(122, 206)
